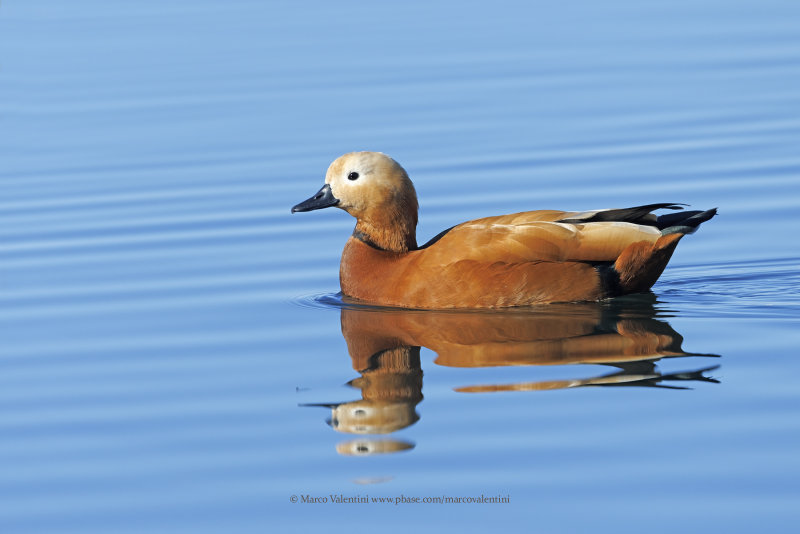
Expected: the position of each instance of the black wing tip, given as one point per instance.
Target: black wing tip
(674, 224)
(703, 216)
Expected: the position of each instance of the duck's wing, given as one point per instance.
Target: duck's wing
(550, 235)
(519, 238)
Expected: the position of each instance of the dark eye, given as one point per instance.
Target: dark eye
(352, 176)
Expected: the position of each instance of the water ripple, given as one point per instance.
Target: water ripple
(755, 288)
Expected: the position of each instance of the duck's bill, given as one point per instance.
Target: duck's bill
(323, 199)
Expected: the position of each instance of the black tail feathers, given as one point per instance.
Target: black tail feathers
(681, 222)
(685, 222)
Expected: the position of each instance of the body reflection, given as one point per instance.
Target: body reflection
(384, 346)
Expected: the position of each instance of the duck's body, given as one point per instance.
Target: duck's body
(510, 260)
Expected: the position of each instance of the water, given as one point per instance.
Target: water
(172, 342)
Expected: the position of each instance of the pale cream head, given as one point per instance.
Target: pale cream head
(371, 183)
(375, 189)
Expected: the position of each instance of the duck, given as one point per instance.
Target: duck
(519, 259)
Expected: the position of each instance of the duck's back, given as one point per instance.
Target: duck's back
(537, 236)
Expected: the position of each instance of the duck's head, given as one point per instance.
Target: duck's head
(376, 190)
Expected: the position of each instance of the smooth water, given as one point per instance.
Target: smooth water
(174, 354)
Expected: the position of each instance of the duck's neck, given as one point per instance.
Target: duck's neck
(390, 232)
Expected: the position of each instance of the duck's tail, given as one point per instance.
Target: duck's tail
(640, 264)
(684, 222)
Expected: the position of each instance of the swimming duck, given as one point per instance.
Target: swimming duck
(519, 259)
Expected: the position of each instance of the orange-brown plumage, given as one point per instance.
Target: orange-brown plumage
(509, 260)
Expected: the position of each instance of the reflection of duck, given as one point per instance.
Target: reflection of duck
(384, 345)
(391, 388)
(368, 447)
(618, 333)
(509, 260)
(638, 374)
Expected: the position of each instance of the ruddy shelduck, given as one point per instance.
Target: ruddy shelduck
(510, 260)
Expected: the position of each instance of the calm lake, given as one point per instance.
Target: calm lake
(174, 353)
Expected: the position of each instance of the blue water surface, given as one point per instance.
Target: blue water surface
(175, 357)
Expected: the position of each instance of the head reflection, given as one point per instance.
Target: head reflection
(384, 346)
(391, 388)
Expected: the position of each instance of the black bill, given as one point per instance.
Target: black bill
(323, 199)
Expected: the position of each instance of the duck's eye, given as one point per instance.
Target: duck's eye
(352, 176)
